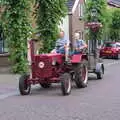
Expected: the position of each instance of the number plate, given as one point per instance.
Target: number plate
(108, 52)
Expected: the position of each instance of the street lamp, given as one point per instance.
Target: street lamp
(93, 12)
(94, 15)
(94, 26)
(94, 19)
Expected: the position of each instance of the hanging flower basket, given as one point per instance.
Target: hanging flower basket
(94, 26)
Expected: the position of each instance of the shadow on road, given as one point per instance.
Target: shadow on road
(55, 89)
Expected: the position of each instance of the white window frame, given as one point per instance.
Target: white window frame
(81, 34)
(81, 10)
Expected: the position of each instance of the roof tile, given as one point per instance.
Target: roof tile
(70, 4)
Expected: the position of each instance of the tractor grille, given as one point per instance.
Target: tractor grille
(42, 67)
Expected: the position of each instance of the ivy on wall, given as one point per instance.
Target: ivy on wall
(17, 27)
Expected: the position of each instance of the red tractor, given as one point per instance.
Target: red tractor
(46, 69)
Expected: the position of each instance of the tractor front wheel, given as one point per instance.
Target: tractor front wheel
(81, 72)
(66, 83)
(24, 87)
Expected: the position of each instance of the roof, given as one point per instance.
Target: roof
(70, 4)
(115, 3)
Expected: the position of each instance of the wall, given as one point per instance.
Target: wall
(77, 23)
(65, 25)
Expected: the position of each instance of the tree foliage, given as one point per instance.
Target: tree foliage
(17, 26)
(17, 31)
(100, 6)
(49, 15)
(115, 25)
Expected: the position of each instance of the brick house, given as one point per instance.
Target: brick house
(74, 22)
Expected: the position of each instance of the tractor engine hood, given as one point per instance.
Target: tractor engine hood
(43, 64)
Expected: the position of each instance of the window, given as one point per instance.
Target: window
(81, 34)
(81, 10)
(3, 45)
(109, 45)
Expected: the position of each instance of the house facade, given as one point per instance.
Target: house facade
(74, 22)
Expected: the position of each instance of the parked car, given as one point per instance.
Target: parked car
(118, 45)
(110, 50)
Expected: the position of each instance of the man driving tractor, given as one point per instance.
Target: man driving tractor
(63, 43)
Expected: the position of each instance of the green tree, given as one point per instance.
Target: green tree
(17, 26)
(115, 25)
(49, 15)
(106, 30)
(100, 6)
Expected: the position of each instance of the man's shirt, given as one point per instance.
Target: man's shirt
(60, 43)
(79, 43)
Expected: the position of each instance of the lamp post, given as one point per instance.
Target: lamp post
(94, 26)
(94, 15)
(94, 39)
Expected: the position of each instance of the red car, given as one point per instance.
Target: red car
(110, 49)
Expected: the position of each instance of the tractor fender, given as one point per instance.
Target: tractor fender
(77, 58)
(98, 67)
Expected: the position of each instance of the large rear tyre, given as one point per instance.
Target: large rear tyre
(45, 85)
(24, 87)
(81, 72)
(66, 84)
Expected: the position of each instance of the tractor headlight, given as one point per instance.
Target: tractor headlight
(41, 65)
(54, 62)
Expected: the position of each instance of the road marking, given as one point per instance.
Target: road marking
(112, 63)
(6, 95)
(10, 94)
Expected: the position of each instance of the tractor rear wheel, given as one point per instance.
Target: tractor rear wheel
(45, 85)
(24, 87)
(66, 83)
(81, 72)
